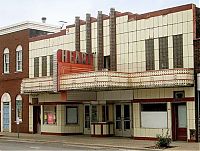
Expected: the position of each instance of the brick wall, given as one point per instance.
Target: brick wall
(10, 83)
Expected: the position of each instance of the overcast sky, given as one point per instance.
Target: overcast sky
(14, 11)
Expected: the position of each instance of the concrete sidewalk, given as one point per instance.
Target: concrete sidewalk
(116, 142)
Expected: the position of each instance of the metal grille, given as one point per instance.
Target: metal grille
(149, 50)
(44, 65)
(36, 67)
(178, 51)
(163, 53)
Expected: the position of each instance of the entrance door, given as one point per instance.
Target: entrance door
(123, 120)
(87, 129)
(179, 122)
(36, 119)
(6, 116)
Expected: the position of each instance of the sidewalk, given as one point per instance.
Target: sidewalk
(115, 142)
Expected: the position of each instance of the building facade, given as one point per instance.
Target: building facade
(14, 46)
(125, 74)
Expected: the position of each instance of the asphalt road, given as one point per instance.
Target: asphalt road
(7, 144)
(27, 145)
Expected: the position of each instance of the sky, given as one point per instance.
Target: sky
(14, 11)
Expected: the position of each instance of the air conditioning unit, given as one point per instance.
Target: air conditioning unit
(105, 69)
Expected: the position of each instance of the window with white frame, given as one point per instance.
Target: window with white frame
(49, 114)
(6, 60)
(19, 58)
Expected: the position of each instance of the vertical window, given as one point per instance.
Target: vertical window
(51, 65)
(163, 53)
(94, 113)
(71, 115)
(6, 60)
(149, 50)
(107, 62)
(178, 51)
(44, 66)
(105, 113)
(19, 108)
(49, 114)
(36, 67)
(19, 58)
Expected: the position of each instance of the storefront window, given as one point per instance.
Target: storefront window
(49, 114)
(94, 113)
(105, 113)
(71, 115)
(154, 115)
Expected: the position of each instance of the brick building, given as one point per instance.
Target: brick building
(14, 54)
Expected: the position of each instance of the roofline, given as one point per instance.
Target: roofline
(28, 25)
(135, 16)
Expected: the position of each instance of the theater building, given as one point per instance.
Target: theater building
(14, 46)
(122, 74)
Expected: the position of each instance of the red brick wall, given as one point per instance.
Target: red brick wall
(11, 83)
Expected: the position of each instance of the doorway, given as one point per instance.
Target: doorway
(6, 116)
(6, 113)
(179, 121)
(123, 120)
(87, 129)
(36, 120)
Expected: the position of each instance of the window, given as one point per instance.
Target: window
(19, 108)
(44, 66)
(154, 115)
(149, 50)
(6, 60)
(107, 62)
(105, 113)
(178, 51)
(163, 53)
(49, 114)
(36, 67)
(71, 115)
(19, 58)
(51, 65)
(94, 114)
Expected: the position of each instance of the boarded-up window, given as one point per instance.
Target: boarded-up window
(154, 115)
(44, 66)
(163, 53)
(71, 115)
(149, 50)
(51, 65)
(36, 67)
(178, 51)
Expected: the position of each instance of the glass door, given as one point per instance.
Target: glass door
(123, 120)
(6, 116)
(182, 123)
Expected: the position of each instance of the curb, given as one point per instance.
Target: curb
(79, 144)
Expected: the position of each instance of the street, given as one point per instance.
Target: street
(7, 144)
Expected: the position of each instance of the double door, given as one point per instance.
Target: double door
(123, 120)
